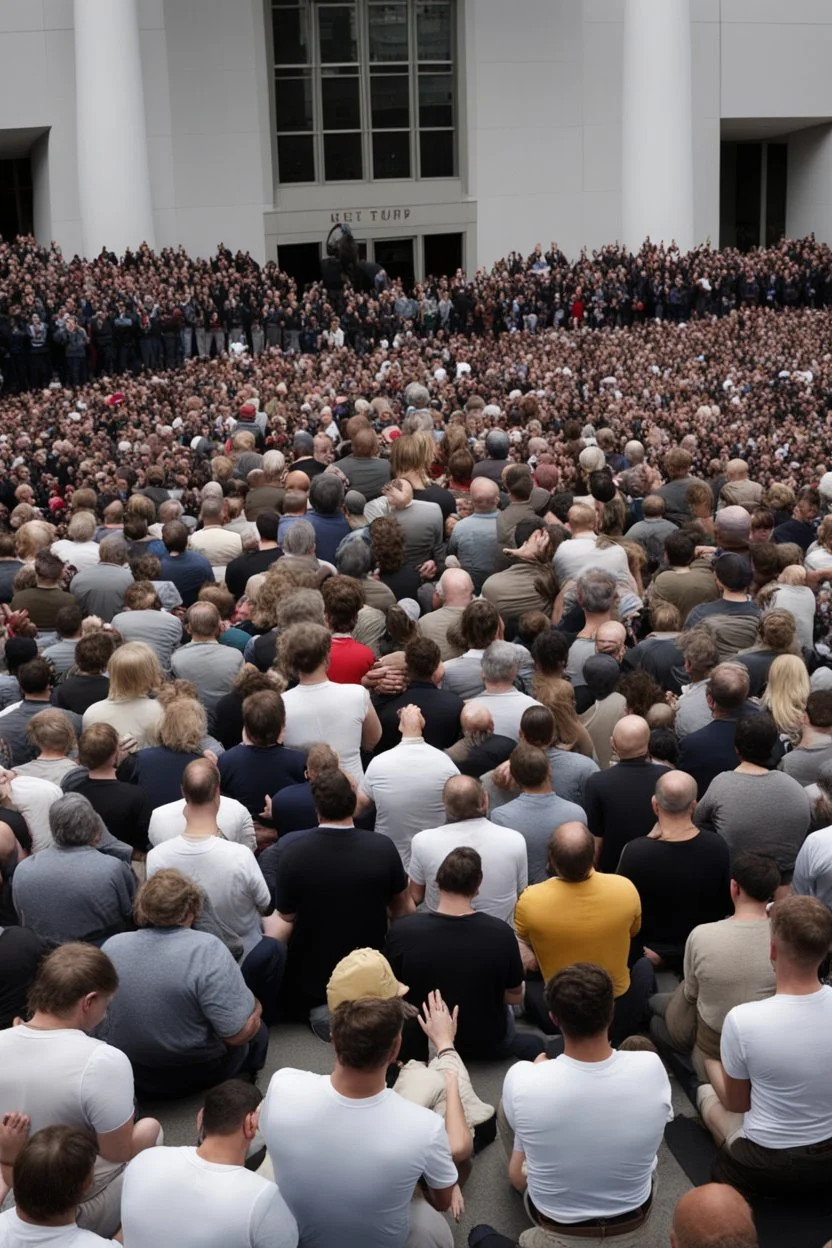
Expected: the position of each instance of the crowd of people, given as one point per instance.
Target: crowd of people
(438, 688)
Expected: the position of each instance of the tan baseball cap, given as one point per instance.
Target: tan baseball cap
(363, 973)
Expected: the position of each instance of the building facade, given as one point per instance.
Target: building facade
(445, 132)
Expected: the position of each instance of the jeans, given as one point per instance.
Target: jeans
(631, 1009)
(169, 1082)
(263, 971)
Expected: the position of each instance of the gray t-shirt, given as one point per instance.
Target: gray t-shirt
(212, 668)
(73, 894)
(14, 721)
(570, 771)
(157, 629)
(805, 762)
(768, 814)
(180, 992)
(535, 816)
(100, 589)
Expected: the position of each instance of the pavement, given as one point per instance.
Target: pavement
(488, 1196)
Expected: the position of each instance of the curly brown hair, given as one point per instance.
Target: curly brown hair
(387, 543)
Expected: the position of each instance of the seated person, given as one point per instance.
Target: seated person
(125, 809)
(87, 682)
(261, 765)
(586, 1126)
(183, 1014)
(726, 963)
(769, 1103)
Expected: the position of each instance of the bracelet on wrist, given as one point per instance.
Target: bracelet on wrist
(442, 1052)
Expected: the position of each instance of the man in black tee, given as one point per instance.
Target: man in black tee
(337, 889)
(471, 958)
(618, 801)
(250, 562)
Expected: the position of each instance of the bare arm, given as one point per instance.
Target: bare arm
(371, 730)
(516, 1177)
(459, 1135)
(417, 892)
(401, 905)
(514, 996)
(527, 956)
(248, 1030)
(282, 926)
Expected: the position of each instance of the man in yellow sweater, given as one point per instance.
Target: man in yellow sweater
(582, 916)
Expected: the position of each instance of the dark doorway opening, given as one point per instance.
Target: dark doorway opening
(395, 255)
(752, 194)
(16, 198)
(443, 254)
(302, 261)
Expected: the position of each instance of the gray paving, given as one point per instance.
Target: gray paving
(488, 1195)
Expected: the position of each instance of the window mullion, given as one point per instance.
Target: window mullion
(317, 92)
(363, 22)
(413, 76)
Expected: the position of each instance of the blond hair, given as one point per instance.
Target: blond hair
(134, 672)
(51, 730)
(32, 537)
(787, 693)
(183, 726)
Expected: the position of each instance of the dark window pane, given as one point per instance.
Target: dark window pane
(295, 158)
(436, 153)
(443, 254)
(291, 36)
(342, 158)
(337, 34)
(390, 100)
(388, 32)
(293, 102)
(341, 103)
(395, 255)
(434, 33)
(391, 154)
(776, 175)
(436, 100)
(302, 261)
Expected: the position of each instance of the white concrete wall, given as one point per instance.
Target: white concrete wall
(809, 200)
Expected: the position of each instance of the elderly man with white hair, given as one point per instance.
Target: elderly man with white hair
(454, 590)
(500, 664)
(733, 529)
(267, 492)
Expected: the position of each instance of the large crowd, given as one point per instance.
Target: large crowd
(448, 671)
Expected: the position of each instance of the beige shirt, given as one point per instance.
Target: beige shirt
(219, 546)
(137, 718)
(727, 964)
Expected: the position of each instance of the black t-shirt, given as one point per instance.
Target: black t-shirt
(405, 583)
(434, 493)
(251, 773)
(472, 959)
(338, 882)
(78, 693)
(681, 884)
(228, 720)
(125, 809)
(440, 707)
(20, 952)
(249, 564)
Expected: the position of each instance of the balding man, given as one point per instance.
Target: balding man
(229, 876)
(480, 749)
(611, 638)
(505, 871)
(474, 539)
(709, 751)
(733, 530)
(619, 801)
(212, 668)
(219, 545)
(454, 590)
(580, 915)
(579, 553)
(299, 481)
(738, 490)
(682, 874)
(713, 1216)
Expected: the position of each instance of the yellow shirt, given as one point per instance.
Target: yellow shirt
(592, 921)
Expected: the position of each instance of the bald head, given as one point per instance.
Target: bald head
(456, 589)
(485, 494)
(736, 470)
(734, 522)
(464, 798)
(298, 480)
(675, 793)
(631, 737)
(571, 852)
(611, 638)
(476, 720)
(713, 1216)
(794, 574)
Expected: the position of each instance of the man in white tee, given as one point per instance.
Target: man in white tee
(204, 1197)
(229, 876)
(54, 1072)
(233, 821)
(775, 1068)
(588, 1124)
(53, 1173)
(505, 868)
(347, 1152)
(405, 784)
(501, 663)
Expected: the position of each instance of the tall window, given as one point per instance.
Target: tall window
(364, 89)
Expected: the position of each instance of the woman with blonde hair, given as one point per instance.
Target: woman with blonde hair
(131, 706)
(411, 460)
(33, 537)
(786, 695)
(557, 694)
(180, 733)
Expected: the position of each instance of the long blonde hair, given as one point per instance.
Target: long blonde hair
(786, 694)
(134, 672)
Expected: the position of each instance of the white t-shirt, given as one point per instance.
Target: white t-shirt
(173, 1196)
(589, 1130)
(64, 1076)
(331, 713)
(17, 1234)
(406, 785)
(578, 554)
(506, 710)
(233, 820)
(505, 866)
(80, 554)
(230, 876)
(782, 1046)
(372, 1151)
(33, 797)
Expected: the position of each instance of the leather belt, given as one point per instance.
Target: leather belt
(597, 1228)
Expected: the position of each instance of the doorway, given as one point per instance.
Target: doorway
(16, 197)
(443, 254)
(752, 194)
(395, 255)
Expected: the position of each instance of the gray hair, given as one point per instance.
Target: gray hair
(417, 422)
(416, 395)
(301, 606)
(326, 493)
(73, 821)
(354, 558)
(299, 539)
(596, 590)
(303, 442)
(172, 509)
(113, 550)
(500, 662)
(497, 444)
(273, 463)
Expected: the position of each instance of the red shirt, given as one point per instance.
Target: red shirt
(349, 660)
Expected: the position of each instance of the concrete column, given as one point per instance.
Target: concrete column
(113, 171)
(657, 125)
